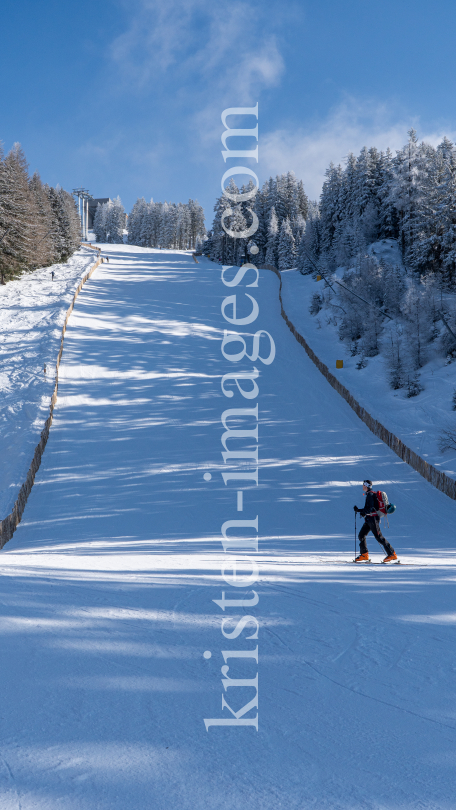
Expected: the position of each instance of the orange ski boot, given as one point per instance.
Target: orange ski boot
(363, 558)
(390, 558)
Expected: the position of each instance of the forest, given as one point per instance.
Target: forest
(404, 309)
(152, 224)
(39, 224)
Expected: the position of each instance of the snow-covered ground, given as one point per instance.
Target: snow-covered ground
(418, 421)
(32, 313)
(107, 586)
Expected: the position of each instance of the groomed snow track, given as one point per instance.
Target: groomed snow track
(109, 581)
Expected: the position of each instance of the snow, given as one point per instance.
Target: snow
(387, 250)
(108, 584)
(417, 421)
(32, 313)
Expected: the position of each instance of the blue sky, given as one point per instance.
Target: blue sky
(125, 97)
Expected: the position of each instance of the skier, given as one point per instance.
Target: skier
(371, 524)
(52, 275)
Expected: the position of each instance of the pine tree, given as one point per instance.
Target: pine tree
(60, 224)
(262, 211)
(197, 227)
(396, 366)
(367, 176)
(135, 221)
(99, 222)
(417, 326)
(38, 225)
(115, 221)
(170, 226)
(6, 218)
(290, 193)
(286, 248)
(387, 212)
(330, 213)
(44, 229)
(406, 190)
(302, 200)
(309, 245)
(207, 246)
(273, 240)
(221, 242)
(281, 204)
(69, 224)
(18, 242)
(147, 226)
(444, 243)
(393, 289)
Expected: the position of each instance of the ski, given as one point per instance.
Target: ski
(371, 562)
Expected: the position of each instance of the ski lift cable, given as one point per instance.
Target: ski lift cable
(321, 272)
(442, 318)
(44, 237)
(8, 228)
(440, 314)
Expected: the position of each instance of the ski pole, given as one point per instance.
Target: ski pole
(355, 534)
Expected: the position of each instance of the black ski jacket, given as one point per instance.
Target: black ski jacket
(370, 508)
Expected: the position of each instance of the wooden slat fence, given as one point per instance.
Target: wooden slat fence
(435, 477)
(9, 524)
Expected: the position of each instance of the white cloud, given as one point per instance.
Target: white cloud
(157, 37)
(352, 125)
(217, 55)
(240, 85)
(208, 45)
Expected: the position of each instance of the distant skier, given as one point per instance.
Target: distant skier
(371, 524)
(52, 274)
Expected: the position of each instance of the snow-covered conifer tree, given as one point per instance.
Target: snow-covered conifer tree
(273, 239)
(135, 221)
(18, 241)
(221, 242)
(302, 200)
(286, 248)
(443, 239)
(418, 326)
(261, 208)
(38, 225)
(60, 220)
(394, 353)
(99, 222)
(393, 288)
(309, 247)
(388, 214)
(163, 225)
(406, 191)
(115, 221)
(329, 210)
(170, 226)
(147, 229)
(69, 224)
(197, 227)
(44, 228)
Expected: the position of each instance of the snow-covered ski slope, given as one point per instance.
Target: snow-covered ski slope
(33, 308)
(417, 421)
(107, 585)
